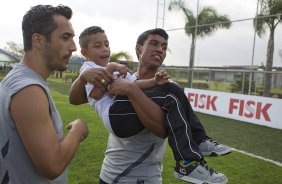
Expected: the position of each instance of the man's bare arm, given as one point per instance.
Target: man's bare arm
(77, 93)
(34, 124)
(112, 67)
(149, 113)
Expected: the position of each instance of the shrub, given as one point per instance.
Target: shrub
(201, 85)
(237, 86)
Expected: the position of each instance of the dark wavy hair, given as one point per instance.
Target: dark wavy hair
(84, 36)
(157, 31)
(40, 19)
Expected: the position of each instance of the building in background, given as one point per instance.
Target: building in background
(7, 59)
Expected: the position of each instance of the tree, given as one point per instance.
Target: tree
(75, 63)
(119, 55)
(208, 22)
(242, 86)
(115, 57)
(15, 49)
(269, 17)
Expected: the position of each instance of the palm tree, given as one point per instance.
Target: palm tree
(270, 16)
(119, 55)
(208, 22)
(115, 57)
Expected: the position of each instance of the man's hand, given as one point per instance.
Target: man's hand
(80, 126)
(120, 86)
(99, 77)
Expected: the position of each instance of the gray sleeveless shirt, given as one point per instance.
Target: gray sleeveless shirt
(134, 160)
(15, 164)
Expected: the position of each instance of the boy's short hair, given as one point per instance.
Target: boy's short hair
(84, 36)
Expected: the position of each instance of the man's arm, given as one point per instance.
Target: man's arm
(149, 113)
(112, 67)
(77, 93)
(34, 124)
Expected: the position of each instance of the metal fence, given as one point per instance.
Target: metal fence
(228, 80)
(231, 60)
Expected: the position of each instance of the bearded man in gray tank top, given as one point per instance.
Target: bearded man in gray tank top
(33, 147)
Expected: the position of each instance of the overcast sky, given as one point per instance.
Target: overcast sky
(124, 20)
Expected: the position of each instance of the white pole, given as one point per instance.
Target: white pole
(196, 30)
(157, 17)
(253, 53)
(164, 14)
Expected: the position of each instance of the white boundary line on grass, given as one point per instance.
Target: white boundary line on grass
(259, 157)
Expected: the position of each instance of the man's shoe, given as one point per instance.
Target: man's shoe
(198, 172)
(211, 148)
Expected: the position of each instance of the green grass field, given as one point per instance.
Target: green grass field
(238, 167)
